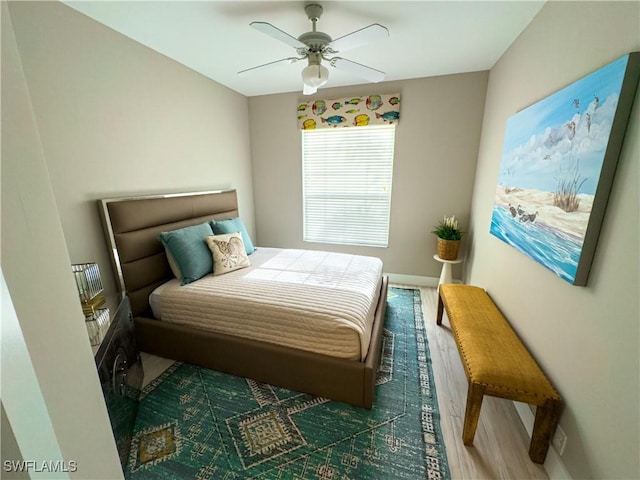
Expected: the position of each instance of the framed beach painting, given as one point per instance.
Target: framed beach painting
(558, 162)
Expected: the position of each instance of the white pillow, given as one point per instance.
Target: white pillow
(228, 251)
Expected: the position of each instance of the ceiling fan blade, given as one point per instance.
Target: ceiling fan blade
(307, 90)
(355, 68)
(359, 37)
(269, 65)
(278, 34)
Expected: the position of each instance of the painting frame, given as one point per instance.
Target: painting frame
(558, 164)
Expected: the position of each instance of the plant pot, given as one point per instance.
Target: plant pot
(448, 249)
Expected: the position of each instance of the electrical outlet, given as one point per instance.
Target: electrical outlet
(559, 440)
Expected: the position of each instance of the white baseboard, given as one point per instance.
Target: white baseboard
(553, 463)
(412, 280)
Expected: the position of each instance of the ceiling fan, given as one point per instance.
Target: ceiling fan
(317, 46)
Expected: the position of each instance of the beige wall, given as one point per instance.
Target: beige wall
(434, 166)
(586, 338)
(92, 114)
(117, 118)
(35, 263)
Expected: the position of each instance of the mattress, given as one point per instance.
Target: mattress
(321, 302)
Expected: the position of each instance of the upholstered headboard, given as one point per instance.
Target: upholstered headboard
(132, 226)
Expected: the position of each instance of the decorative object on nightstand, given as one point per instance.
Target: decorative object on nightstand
(92, 299)
(89, 284)
(449, 236)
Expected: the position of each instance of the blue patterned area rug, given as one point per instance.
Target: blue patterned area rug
(195, 423)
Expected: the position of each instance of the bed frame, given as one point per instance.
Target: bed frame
(132, 225)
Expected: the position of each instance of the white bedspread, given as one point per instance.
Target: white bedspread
(317, 301)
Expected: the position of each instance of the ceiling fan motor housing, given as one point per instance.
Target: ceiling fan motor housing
(316, 41)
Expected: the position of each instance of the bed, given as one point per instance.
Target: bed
(132, 226)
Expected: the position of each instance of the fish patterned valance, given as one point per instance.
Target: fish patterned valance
(350, 112)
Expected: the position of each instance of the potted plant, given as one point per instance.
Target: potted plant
(449, 236)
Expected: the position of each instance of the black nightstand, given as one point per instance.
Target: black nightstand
(120, 371)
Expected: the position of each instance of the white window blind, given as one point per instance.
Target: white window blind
(347, 177)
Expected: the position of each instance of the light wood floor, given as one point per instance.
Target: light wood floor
(501, 444)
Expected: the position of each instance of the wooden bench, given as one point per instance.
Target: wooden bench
(497, 363)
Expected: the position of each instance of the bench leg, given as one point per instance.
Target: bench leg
(475, 394)
(440, 310)
(544, 427)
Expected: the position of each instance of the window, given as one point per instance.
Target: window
(347, 176)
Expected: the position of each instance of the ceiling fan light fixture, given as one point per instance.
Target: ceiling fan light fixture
(315, 75)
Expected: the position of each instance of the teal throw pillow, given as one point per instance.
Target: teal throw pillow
(234, 225)
(190, 251)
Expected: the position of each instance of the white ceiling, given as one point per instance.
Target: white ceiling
(427, 38)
